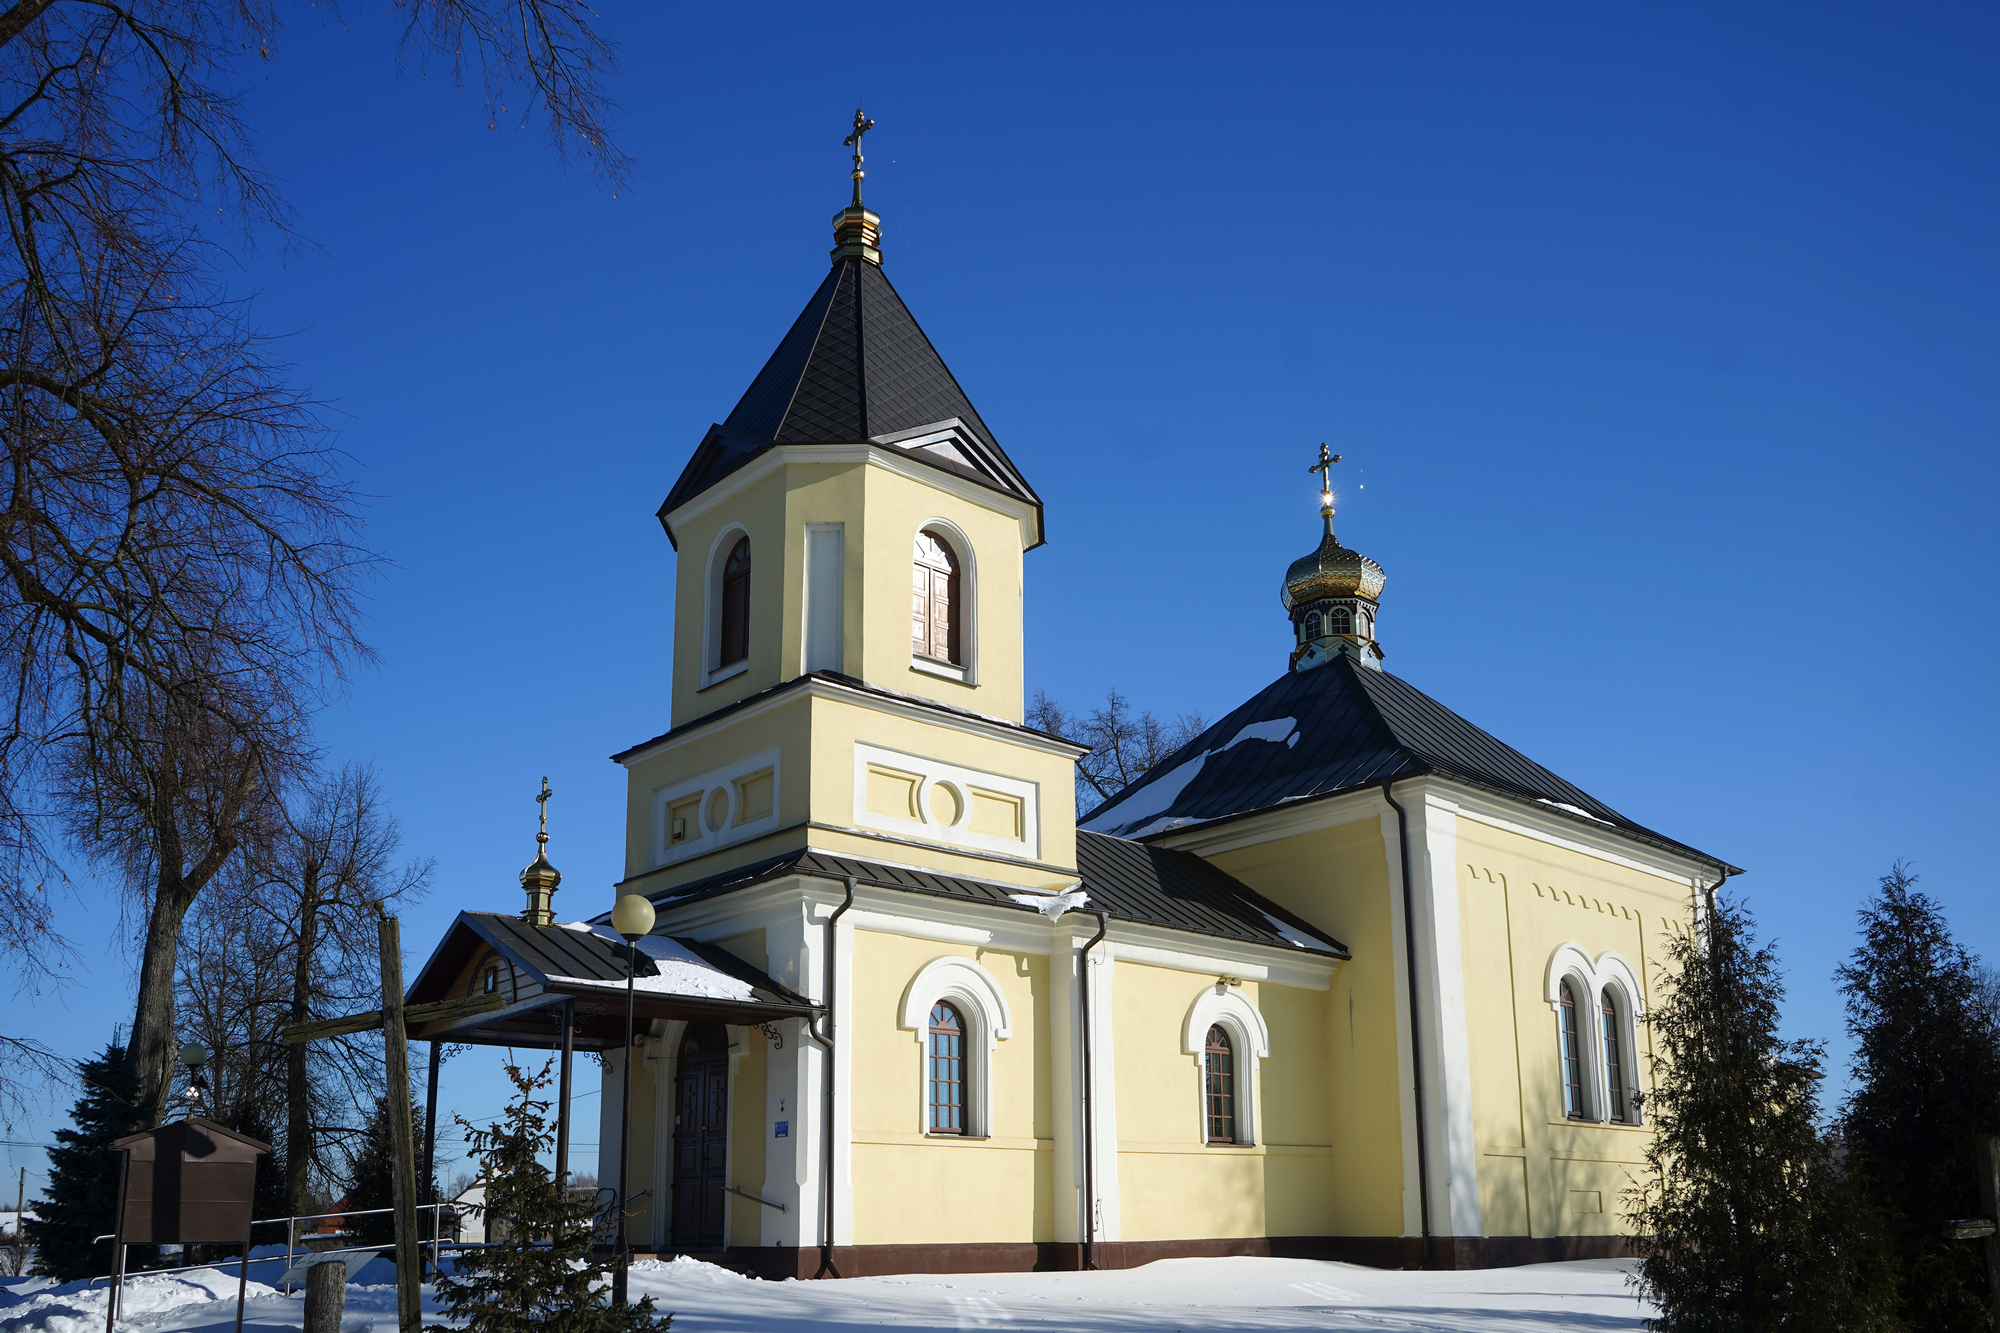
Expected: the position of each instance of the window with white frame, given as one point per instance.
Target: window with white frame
(726, 613)
(1227, 1036)
(1598, 1007)
(959, 1015)
(944, 603)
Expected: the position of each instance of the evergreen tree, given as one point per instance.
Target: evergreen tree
(1927, 1075)
(544, 1275)
(270, 1200)
(1746, 1223)
(83, 1171)
(371, 1181)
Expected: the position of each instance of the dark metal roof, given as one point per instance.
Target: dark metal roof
(554, 956)
(1131, 881)
(1332, 729)
(852, 683)
(854, 366)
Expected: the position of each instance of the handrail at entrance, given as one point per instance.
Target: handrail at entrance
(766, 1202)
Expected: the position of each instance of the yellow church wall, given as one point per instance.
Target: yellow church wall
(839, 726)
(881, 511)
(1338, 879)
(785, 728)
(639, 1172)
(746, 1121)
(910, 1187)
(761, 510)
(897, 507)
(1520, 898)
(1174, 1186)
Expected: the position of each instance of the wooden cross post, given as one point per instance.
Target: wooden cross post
(1986, 1229)
(402, 1134)
(394, 1020)
(1989, 1204)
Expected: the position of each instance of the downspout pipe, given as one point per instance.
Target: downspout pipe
(826, 1266)
(1089, 1119)
(1416, 1027)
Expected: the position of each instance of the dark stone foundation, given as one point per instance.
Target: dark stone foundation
(1446, 1252)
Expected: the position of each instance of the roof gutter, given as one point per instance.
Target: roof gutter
(1089, 1120)
(826, 1267)
(1416, 1044)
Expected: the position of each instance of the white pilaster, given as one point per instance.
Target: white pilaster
(1454, 1160)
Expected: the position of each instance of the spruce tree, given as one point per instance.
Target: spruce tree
(1745, 1222)
(1927, 1076)
(544, 1274)
(371, 1182)
(82, 1200)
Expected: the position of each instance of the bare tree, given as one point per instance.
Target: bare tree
(1123, 747)
(290, 938)
(179, 561)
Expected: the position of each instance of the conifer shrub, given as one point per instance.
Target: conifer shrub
(1745, 1220)
(82, 1200)
(544, 1275)
(1927, 1083)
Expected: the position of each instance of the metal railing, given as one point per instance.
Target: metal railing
(293, 1245)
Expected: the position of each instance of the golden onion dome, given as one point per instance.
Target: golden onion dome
(1332, 571)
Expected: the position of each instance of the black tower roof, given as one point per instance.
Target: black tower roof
(1333, 729)
(856, 367)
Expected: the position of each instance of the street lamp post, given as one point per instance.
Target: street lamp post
(631, 918)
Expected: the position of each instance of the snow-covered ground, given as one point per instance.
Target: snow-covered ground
(1173, 1296)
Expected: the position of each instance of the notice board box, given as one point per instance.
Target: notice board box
(191, 1182)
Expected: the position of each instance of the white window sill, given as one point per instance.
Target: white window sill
(720, 674)
(930, 666)
(935, 1137)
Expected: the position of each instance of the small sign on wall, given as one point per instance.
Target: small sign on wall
(783, 1130)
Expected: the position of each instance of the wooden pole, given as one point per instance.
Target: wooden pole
(562, 1095)
(431, 1142)
(1989, 1204)
(402, 1134)
(242, 1285)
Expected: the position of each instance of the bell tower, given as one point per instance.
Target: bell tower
(847, 666)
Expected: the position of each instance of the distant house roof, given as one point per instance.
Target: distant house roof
(855, 367)
(1154, 886)
(1333, 729)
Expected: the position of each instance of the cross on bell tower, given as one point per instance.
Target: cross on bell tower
(857, 233)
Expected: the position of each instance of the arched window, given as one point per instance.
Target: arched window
(1312, 626)
(1219, 1070)
(1614, 1064)
(1572, 1055)
(1367, 625)
(735, 631)
(934, 610)
(947, 1070)
(1340, 621)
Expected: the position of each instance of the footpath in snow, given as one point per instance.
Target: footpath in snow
(1172, 1296)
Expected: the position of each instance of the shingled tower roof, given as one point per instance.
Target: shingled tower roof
(855, 368)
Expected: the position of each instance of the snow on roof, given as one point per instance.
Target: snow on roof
(681, 972)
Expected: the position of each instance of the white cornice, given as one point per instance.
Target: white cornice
(896, 706)
(783, 455)
(1529, 819)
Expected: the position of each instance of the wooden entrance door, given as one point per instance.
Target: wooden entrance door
(701, 1137)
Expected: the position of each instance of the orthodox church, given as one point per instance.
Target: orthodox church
(1344, 977)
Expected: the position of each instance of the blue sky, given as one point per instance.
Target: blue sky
(1660, 342)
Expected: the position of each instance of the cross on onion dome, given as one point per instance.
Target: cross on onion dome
(1324, 467)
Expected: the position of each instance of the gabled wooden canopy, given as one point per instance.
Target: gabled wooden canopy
(536, 970)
